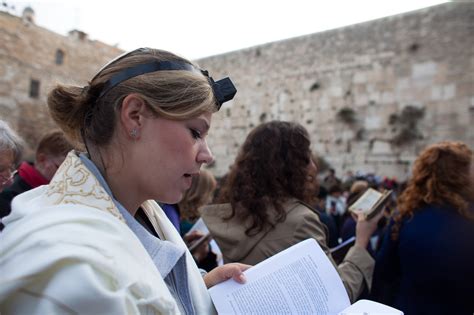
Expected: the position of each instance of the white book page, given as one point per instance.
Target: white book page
(366, 307)
(199, 226)
(366, 201)
(298, 280)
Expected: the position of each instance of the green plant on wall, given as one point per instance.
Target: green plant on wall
(405, 125)
(361, 134)
(347, 115)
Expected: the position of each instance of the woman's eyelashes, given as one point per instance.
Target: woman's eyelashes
(195, 133)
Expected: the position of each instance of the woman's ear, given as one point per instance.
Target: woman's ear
(132, 115)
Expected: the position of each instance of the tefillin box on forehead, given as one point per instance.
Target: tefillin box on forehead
(224, 90)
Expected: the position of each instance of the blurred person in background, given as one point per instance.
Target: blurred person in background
(331, 179)
(336, 206)
(50, 153)
(326, 219)
(200, 194)
(11, 149)
(348, 227)
(348, 230)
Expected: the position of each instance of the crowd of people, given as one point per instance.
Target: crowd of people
(109, 230)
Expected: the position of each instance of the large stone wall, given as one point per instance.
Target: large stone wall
(372, 95)
(28, 52)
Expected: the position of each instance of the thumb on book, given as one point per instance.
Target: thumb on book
(226, 272)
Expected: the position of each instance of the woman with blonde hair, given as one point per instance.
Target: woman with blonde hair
(94, 241)
(200, 194)
(425, 263)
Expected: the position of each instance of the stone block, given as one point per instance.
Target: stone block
(306, 105)
(8, 102)
(382, 147)
(374, 98)
(387, 98)
(464, 120)
(372, 122)
(318, 147)
(361, 100)
(336, 91)
(323, 103)
(360, 77)
(436, 93)
(425, 69)
(422, 82)
(402, 84)
(449, 91)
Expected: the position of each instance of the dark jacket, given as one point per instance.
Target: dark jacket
(28, 177)
(6, 196)
(429, 269)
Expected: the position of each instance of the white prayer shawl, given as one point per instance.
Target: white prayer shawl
(67, 250)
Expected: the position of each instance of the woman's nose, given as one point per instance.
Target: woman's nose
(205, 154)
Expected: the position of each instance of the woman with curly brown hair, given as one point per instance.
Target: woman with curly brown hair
(268, 192)
(425, 263)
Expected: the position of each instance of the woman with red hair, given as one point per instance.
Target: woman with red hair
(425, 263)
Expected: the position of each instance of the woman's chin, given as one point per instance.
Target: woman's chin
(171, 199)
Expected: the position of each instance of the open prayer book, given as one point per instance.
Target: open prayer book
(298, 280)
(371, 203)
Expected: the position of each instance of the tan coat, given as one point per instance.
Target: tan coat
(301, 223)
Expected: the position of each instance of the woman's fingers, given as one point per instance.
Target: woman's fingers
(225, 272)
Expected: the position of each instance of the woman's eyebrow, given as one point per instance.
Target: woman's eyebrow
(204, 124)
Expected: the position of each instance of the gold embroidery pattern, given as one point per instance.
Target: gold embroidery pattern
(75, 184)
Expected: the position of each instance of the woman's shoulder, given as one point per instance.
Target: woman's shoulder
(301, 215)
(55, 233)
(64, 223)
(299, 207)
(215, 211)
(62, 241)
(437, 212)
(35, 220)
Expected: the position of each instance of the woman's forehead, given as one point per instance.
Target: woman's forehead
(204, 119)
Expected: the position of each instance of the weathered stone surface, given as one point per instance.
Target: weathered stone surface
(422, 59)
(28, 52)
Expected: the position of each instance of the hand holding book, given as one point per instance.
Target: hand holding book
(298, 280)
(371, 203)
(368, 209)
